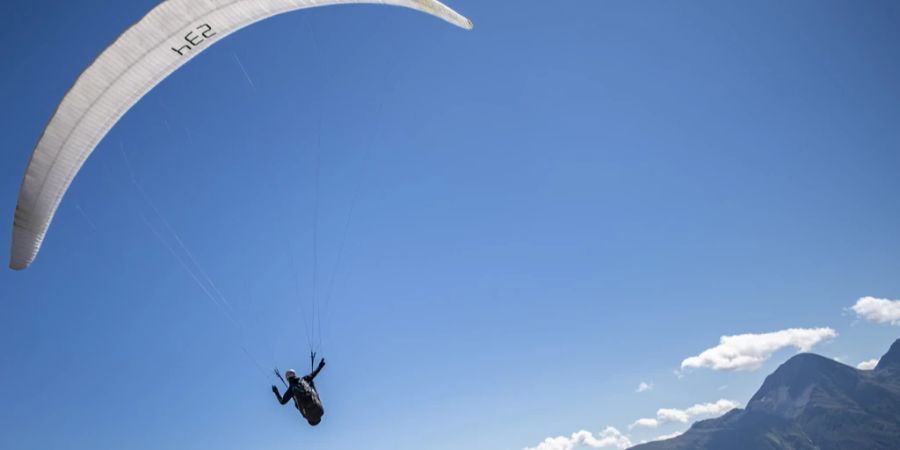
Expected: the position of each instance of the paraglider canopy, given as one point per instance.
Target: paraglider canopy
(165, 39)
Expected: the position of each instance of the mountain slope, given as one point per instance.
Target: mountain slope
(808, 403)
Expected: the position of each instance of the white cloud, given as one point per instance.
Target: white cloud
(671, 415)
(667, 415)
(646, 423)
(750, 351)
(712, 409)
(878, 310)
(608, 438)
(644, 387)
(867, 365)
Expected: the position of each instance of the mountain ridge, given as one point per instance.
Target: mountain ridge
(809, 403)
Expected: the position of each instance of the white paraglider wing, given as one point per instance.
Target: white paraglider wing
(157, 45)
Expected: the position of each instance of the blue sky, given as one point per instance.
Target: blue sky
(543, 213)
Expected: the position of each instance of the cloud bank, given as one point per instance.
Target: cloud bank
(867, 365)
(878, 310)
(613, 438)
(750, 351)
(645, 423)
(644, 387)
(608, 438)
(671, 415)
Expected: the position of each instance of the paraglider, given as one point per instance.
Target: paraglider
(165, 39)
(304, 393)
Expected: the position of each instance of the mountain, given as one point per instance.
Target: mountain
(809, 403)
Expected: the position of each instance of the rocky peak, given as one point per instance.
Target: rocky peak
(788, 390)
(891, 359)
